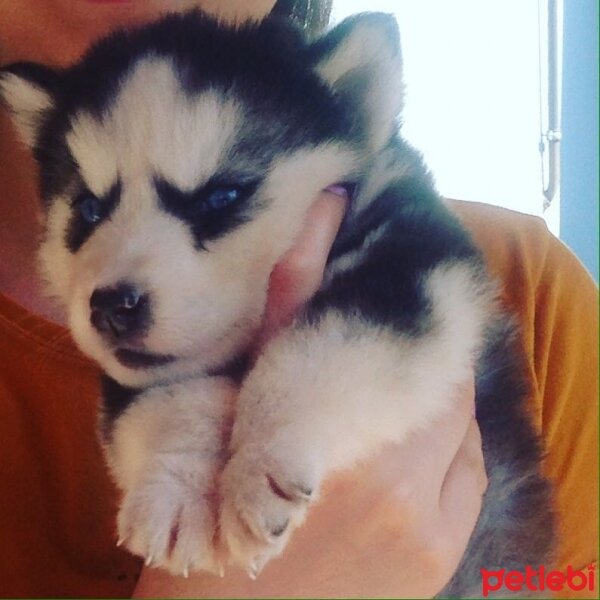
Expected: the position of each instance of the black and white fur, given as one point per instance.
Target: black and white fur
(177, 162)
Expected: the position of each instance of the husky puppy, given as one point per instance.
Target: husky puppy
(177, 162)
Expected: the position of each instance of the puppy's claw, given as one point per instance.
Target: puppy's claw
(256, 566)
(149, 560)
(186, 572)
(221, 571)
(120, 542)
(305, 493)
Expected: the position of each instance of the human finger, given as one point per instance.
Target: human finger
(299, 274)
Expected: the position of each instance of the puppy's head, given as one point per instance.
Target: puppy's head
(176, 164)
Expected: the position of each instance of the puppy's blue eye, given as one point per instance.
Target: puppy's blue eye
(222, 197)
(89, 207)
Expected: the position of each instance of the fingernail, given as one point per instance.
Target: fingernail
(338, 190)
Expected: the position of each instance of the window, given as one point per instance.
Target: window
(474, 80)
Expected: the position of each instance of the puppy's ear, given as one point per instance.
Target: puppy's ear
(29, 91)
(361, 60)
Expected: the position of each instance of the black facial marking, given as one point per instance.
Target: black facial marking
(89, 211)
(212, 209)
(268, 66)
(115, 399)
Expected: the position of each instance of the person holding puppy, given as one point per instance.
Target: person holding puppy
(401, 532)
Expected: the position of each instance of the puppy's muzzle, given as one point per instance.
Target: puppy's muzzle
(119, 312)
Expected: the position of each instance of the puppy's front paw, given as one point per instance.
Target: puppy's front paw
(171, 524)
(263, 500)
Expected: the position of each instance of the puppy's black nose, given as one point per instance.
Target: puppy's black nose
(119, 311)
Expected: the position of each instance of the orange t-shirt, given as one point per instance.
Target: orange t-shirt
(556, 302)
(58, 506)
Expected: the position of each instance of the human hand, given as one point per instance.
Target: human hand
(403, 530)
(396, 526)
(297, 277)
